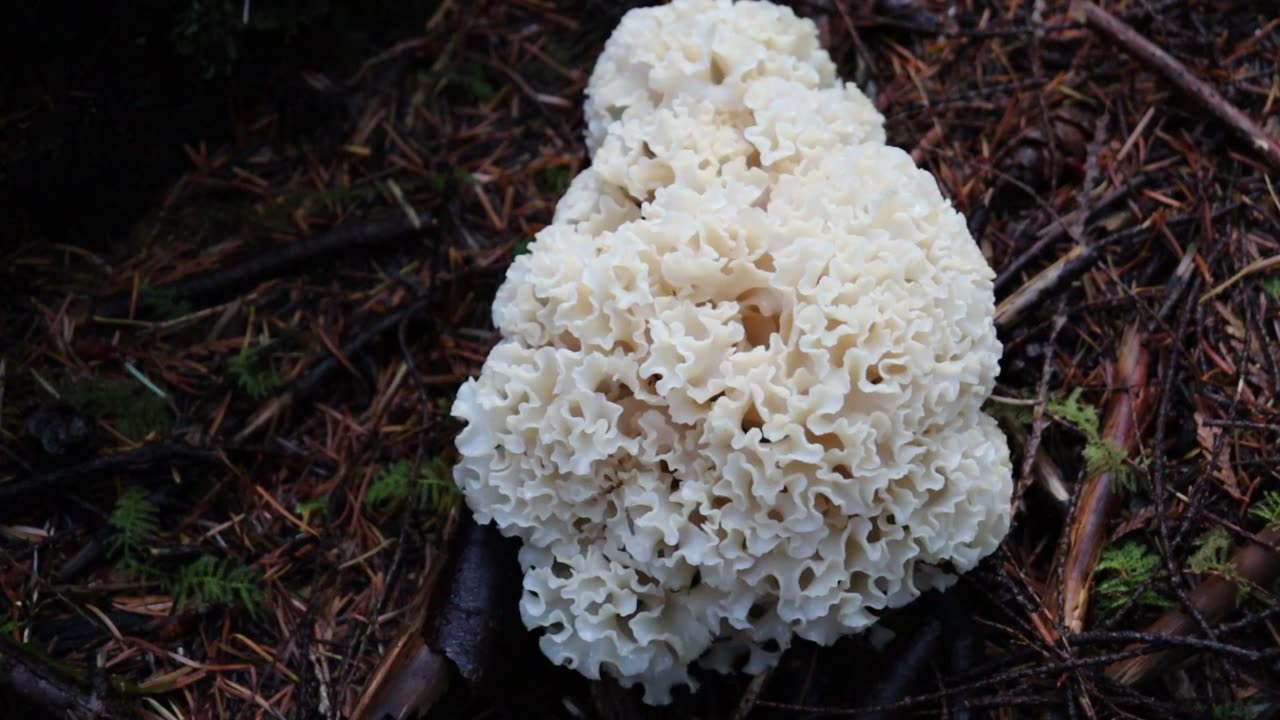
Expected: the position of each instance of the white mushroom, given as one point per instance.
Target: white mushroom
(738, 393)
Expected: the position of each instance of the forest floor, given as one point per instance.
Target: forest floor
(225, 437)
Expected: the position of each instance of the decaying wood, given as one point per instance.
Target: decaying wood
(26, 677)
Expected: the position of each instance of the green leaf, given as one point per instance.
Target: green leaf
(308, 508)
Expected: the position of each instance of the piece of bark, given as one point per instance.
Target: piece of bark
(472, 624)
(36, 682)
(408, 683)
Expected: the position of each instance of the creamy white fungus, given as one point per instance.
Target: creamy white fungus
(738, 393)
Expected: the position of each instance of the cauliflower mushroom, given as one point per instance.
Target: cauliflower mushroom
(738, 393)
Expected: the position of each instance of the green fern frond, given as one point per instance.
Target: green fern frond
(1121, 570)
(134, 519)
(210, 580)
(391, 484)
(431, 489)
(252, 372)
(1268, 509)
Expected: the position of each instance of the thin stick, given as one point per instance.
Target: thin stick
(220, 283)
(1178, 74)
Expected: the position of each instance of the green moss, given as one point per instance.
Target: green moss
(1121, 569)
(1100, 454)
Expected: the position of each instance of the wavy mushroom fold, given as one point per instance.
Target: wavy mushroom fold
(738, 395)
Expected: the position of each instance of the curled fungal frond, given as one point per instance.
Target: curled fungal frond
(738, 395)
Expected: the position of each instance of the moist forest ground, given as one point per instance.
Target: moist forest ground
(246, 268)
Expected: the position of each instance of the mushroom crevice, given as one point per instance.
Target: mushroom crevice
(738, 395)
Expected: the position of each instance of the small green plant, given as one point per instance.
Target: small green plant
(134, 519)
(253, 373)
(132, 409)
(308, 508)
(166, 303)
(210, 580)
(1268, 509)
(1100, 454)
(1212, 556)
(1272, 286)
(9, 626)
(1121, 569)
(1234, 711)
(431, 489)
(520, 247)
(554, 179)
(1018, 414)
(1211, 551)
(473, 83)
